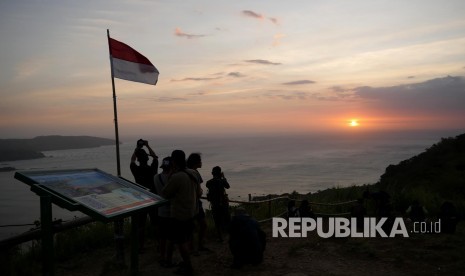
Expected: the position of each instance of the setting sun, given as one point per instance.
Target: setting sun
(353, 123)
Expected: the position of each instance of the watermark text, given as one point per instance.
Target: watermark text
(340, 227)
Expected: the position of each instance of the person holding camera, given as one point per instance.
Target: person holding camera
(219, 200)
(143, 174)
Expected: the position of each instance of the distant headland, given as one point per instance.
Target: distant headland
(23, 149)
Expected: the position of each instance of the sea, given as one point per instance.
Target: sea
(254, 165)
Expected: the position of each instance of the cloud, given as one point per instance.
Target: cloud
(301, 96)
(410, 77)
(196, 79)
(338, 89)
(274, 20)
(169, 99)
(259, 16)
(29, 68)
(296, 95)
(440, 95)
(252, 14)
(262, 61)
(199, 93)
(299, 82)
(236, 75)
(180, 33)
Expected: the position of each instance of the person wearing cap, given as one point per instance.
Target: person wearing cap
(165, 246)
(219, 200)
(143, 175)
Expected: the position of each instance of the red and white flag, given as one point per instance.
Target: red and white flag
(128, 64)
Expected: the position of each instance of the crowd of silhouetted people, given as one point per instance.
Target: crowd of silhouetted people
(181, 184)
(415, 213)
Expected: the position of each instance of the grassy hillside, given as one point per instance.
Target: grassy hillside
(432, 177)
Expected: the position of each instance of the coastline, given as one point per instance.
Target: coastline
(27, 149)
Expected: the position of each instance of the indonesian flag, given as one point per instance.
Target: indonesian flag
(128, 64)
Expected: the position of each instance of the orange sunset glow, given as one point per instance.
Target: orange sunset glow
(216, 78)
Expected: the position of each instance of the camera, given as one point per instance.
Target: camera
(141, 143)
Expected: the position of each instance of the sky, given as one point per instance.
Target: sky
(233, 67)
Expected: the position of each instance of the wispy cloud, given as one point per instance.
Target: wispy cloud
(259, 16)
(304, 95)
(180, 33)
(236, 75)
(196, 79)
(262, 61)
(274, 20)
(169, 99)
(299, 82)
(30, 68)
(198, 93)
(338, 89)
(289, 96)
(252, 14)
(209, 77)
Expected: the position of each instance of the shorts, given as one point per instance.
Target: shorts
(181, 230)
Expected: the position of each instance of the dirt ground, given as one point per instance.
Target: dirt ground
(420, 254)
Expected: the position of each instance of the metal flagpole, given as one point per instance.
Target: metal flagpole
(118, 164)
(118, 224)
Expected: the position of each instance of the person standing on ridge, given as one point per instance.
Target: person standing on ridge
(143, 174)
(182, 190)
(194, 162)
(165, 245)
(219, 200)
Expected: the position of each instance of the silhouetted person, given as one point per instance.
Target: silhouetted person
(448, 217)
(247, 241)
(358, 211)
(219, 200)
(416, 212)
(165, 245)
(182, 191)
(292, 210)
(143, 174)
(305, 210)
(194, 162)
(382, 202)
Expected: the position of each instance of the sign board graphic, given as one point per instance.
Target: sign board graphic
(91, 191)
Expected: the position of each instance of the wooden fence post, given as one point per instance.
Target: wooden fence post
(269, 206)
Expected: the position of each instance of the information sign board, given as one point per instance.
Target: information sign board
(91, 191)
